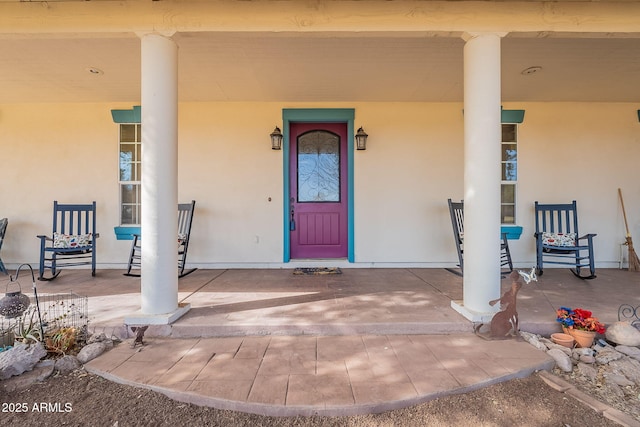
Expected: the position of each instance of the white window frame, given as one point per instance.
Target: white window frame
(509, 166)
(131, 176)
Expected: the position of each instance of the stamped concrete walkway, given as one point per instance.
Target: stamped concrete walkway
(368, 340)
(327, 375)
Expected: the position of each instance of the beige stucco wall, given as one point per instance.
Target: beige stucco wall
(413, 163)
(584, 152)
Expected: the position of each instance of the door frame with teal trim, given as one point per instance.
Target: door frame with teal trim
(320, 115)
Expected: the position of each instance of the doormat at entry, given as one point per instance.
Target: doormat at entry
(312, 271)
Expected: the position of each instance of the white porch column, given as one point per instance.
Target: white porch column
(482, 137)
(159, 109)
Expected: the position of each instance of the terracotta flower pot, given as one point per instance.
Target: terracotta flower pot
(583, 338)
(565, 340)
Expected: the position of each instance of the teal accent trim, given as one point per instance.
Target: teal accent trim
(320, 115)
(127, 116)
(516, 116)
(639, 115)
(512, 116)
(286, 238)
(513, 231)
(125, 232)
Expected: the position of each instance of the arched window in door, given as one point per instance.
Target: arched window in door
(318, 167)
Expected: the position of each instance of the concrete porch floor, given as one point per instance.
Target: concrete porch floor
(369, 340)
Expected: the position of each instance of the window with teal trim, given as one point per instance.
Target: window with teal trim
(130, 170)
(509, 166)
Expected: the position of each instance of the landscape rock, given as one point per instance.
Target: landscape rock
(607, 372)
(628, 367)
(40, 372)
(534, 340)
(19, 359)
(565, 350)
(67, 363)
(581, 351)
(100, 337)
(633, 352)
(623, 333)
(614, 389)
(607, 354)
(615, 378)
(563, 361)
(587, 359)
(43, 369)
(91, 351)
(587, 371)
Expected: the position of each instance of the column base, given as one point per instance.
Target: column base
(139, 318)
(472, 315)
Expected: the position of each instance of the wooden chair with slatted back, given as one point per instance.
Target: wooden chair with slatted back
(185, 218)
(558, 240)
(72, 241)
(456, 211)
(3, 229)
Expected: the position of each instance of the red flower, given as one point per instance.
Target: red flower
(579, 319)
(584, 314)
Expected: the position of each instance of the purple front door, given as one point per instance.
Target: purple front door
(318, 197)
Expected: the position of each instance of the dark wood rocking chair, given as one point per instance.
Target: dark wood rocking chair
(456, 210)
(558, 240)
(3, 230)
(185, 218)
(73, 241)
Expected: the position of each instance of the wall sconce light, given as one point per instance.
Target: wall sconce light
(276, 139)
(361, 139)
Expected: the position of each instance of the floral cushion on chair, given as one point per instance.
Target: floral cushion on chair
(559, 239)
(70, 241)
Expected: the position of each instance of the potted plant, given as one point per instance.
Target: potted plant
(580, 324)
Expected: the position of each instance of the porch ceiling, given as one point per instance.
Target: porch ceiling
(317, 67)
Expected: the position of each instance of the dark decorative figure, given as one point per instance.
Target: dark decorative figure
(504, 323)
(629, 313)
(139, 331)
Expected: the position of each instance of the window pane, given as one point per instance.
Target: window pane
(510, 171)
(129, 193)
(508, 193)
(130, 204)
(318, 167)
(138, 133)
(508, 208)
(127, 133)
(128, 215)
(509, 133)
(509, 152)
(508, 214)
(126, 157)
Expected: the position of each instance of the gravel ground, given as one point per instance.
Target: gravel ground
(83, 399)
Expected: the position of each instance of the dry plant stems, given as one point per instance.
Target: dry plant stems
(61, 340)
(634, 262)
(63, 329)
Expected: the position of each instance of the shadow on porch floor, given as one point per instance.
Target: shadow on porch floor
(368, 340)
